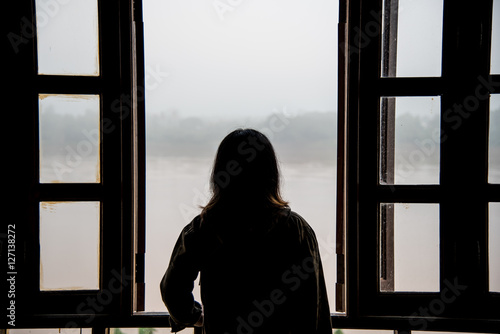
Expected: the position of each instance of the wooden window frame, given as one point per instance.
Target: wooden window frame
(121, 191)
(463, 248)
(113, 85)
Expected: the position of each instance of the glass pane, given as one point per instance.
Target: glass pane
(410, 140)
(494, 140)
(412, 38)
(69, 245)
(67, 37)
(495, 39)
(69, 138)
(409, 247)
(494, 246)
(267, 65)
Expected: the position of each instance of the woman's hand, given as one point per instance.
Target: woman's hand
(199, 323)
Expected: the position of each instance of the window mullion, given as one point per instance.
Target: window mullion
(464, 155)
(340, 288)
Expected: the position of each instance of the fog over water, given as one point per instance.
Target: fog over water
(267, 65)
(272, 66)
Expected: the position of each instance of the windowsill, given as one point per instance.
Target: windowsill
(165, 314)
(150, 313)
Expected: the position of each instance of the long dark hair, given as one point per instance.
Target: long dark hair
(245, 174)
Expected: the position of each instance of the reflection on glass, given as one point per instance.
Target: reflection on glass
(69, 245)
(494, 246)
(412, 38)
(409, 140)
(69, 138)
(409, 247)
(494, 140)
(267, 65)
(67, 37)
(495, 39)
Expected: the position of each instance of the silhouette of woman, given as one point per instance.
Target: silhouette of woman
(259, 263)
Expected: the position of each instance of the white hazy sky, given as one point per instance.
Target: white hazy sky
(241, 57)
(255, 57)
(247, 59)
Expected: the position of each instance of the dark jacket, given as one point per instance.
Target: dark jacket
(259, 273)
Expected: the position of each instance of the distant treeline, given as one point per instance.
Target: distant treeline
(303, 136)
(308, 136)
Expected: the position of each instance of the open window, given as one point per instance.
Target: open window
(409, 184)
(267, 65)
(421, 115)
(73, 88)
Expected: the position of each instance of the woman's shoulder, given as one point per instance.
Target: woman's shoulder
(193, 225)
(191, 230)
(200, 229)
(295, 218)
(295, 221)
(284, 218)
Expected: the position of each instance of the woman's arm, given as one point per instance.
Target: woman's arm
(178, 282)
